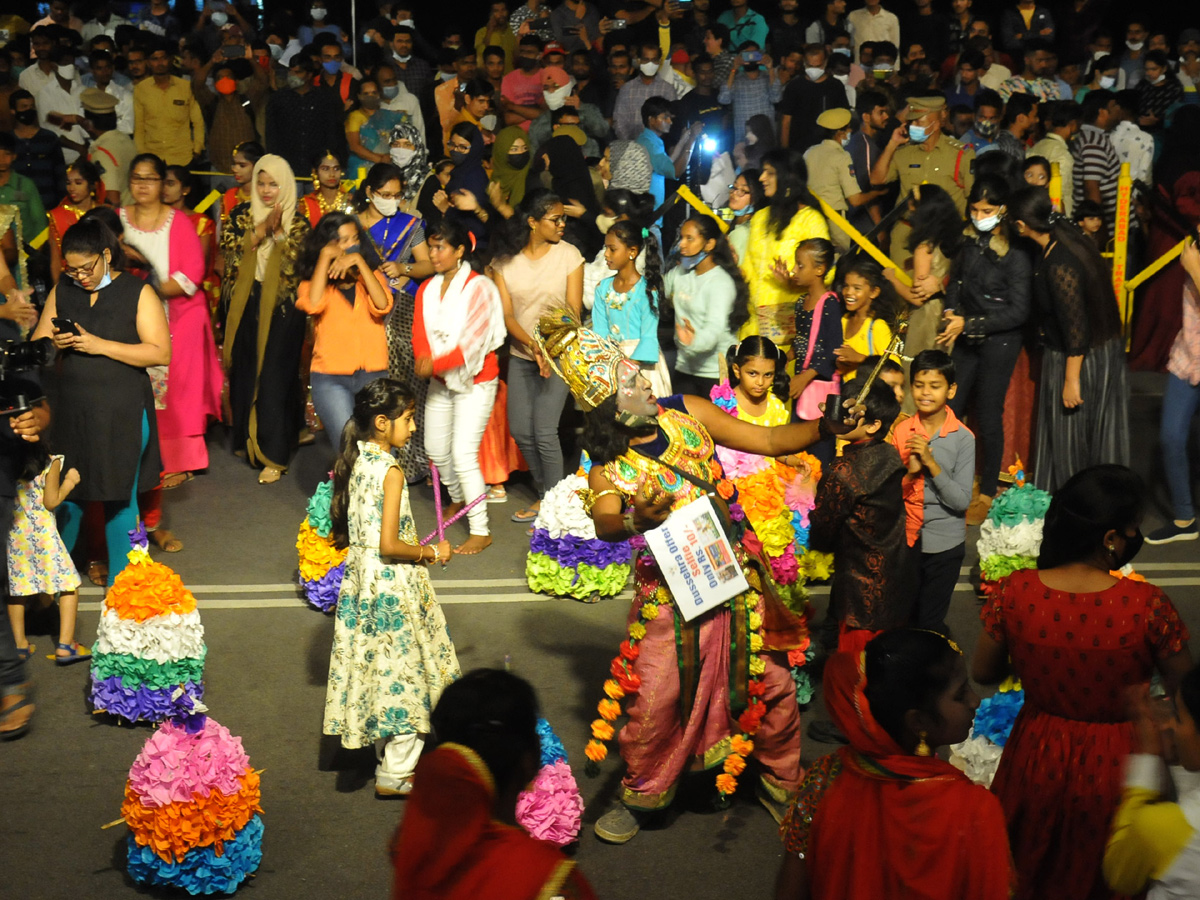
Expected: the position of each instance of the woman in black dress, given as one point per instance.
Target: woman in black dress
(104, 419)
(1083, 399)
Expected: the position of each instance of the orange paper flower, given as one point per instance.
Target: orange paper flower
(146, 589)
(613, 690)
(734, 764)
(741, 745)
(601, 730)
(726, 784)
(609, 709)
(595, 751)
(175, 829)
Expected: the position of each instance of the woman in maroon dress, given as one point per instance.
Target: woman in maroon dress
(1078, 636)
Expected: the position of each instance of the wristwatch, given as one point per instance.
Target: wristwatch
(408, 269)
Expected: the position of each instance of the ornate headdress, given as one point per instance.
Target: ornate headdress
(587, 362)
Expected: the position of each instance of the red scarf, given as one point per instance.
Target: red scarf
(897, 825)
(450, 848)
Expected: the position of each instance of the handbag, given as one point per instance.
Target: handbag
(808, 403)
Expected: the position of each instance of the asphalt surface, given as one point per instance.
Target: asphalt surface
(326, 834)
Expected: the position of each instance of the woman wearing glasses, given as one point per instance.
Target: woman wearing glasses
(162, 246)
(536, 272)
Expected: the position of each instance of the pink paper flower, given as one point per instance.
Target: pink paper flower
(175, 766)
(553, 809)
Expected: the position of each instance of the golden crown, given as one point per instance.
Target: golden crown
(587, 362)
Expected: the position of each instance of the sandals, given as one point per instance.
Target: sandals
(16, 712)
(165, 541)
(76, 653)
(97, 573)
(524, 515)
(497, 494)
(173, 480)
(270, 475)
(24, 653)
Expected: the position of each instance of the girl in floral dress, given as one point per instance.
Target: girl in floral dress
(38, 561)
(392, 654)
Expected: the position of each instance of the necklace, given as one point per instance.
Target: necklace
(331, 205)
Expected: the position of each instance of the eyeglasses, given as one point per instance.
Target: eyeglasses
(77, 271)
(734, 189)
(462, 148)
(557, 220)
(143, 179)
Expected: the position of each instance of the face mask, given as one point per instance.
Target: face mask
(67, 72)
(332, 66)
(107, 280)
(986, 224)
(353, 248)
(26, 117)
(1135, 46)
(369, 102)
(747, 210)
(407, 23)
(918, 134)
(690, 262)
(526, 63)
(402, 156)
(1132, 546)
(1159, 80)
(276, 51)
(751, 138)
(391, 91)
(402, 59)
(813, 72)
(226, 86)
(458, 157)
(844, 79)
(557, 97)
(842, 51)
(296, 81)
(385, 207)
(263, 61)
(488, 122)
(986, 128)
(1100, 54)
(318, 13)
(603, 222)
(846, 141)
(520, 161)
(649, 69)
(220, 19)
(1107, 82)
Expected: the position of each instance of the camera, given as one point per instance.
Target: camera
(16, 356)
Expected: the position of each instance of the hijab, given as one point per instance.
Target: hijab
(279, 170)
(630, 165)
(418, 167)
(511, 181)
(469, 174)
(569, 174)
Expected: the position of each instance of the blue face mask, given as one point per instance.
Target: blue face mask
(332, 66)
(917, 134)
(104, 282)
(690, 262)
(353, 248)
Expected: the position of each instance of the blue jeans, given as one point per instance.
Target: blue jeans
(1180, 402)
(333, 397)
(535, 404)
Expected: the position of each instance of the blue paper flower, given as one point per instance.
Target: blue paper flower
(202, 871)
(996, 714)
(552, 748)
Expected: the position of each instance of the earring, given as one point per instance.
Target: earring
(922, 747)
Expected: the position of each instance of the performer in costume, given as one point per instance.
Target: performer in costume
(726, 692)
(327, 194)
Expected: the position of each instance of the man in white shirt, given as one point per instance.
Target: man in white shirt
(873, 23)
(103, 22)
(1133, 145)
(101, 64)
(398, 98)
(38, 75)
(59, 107)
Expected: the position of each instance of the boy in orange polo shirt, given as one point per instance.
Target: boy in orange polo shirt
(939, 452)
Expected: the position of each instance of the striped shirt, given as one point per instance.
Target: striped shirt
(1096, 160)
(750, 97)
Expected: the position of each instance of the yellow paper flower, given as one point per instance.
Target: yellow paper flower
(613, 690)
(649, 611)
(663, 595)
(756, 643)
(757, 666)
(637, 631)
(317, 554)
(601, 730)
(755, 621)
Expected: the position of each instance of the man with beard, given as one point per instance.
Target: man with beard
(710, 691)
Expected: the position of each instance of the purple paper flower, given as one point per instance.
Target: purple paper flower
(138, 537)
(570, 551)
(323, 592)
(142, 703)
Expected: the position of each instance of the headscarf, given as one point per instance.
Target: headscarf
(569, 175)
(511, 181)
(417, 168)
(469, 174)
(278, 168)
(631, 167)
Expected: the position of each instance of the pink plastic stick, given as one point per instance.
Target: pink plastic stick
(437, 502)
(454, 518)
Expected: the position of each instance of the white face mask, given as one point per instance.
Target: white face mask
(276, 51)
(220, 19)
(986, 224)
(318, 13)
(1107, 82)
(557, 97)
(603, 223)
(407, 23)
(1159, 80)
(813, 72)
(67, 72)
(401, 156)
(844, 79)
(402, 59)
(649, 69)
(489, 122)
(751, 138)
(1135, 45)
(385, 207)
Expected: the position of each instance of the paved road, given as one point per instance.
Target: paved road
(268, 657)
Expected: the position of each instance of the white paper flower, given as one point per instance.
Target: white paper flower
(163, 639)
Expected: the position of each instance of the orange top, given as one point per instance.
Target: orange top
(348, 338)
(914, 485)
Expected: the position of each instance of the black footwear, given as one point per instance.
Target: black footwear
(618, 826)
(1171, 532)
(826, 733)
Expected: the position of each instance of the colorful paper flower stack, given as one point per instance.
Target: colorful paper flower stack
(1011, 536)
(552, 809)
(979, 755)
(192, 803)
(148, 660)
(566, 559)
(321, 564)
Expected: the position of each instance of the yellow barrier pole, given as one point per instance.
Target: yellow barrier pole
(685, 194)
(1121, 247)
(40, 239)
(1056, 187)
(213, 197)
(1155, 267)
(857, 236)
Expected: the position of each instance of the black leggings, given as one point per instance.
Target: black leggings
(985, 370)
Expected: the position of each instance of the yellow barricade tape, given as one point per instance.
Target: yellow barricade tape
(213, 197)
(685, 193)
(37, 242)
(857, 236)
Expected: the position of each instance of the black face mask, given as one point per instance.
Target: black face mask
(458, 157)
(26, 117)
(1132, 546)
(750, 67)
(518, 160)
(526, 63)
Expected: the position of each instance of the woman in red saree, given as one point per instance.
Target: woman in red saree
(85, 191)
(459, 839)
(884, 817)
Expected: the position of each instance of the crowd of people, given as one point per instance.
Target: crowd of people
(442, 247)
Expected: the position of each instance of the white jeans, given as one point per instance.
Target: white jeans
(397, 757)
(454, 426)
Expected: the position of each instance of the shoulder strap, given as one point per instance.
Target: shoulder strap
(814, 330)
(958, 167)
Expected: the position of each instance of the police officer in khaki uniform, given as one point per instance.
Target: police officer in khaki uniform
(831, 172)
(920, 153)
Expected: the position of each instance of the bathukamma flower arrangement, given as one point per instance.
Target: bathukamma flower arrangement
(552, 808)
(321, 564)
(1011, 536)
(192, 804)
(148, 660)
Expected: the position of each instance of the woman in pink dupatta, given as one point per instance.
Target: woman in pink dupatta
(164, 244)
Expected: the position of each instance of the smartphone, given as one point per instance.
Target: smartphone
(618, 24)
(66, 325)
